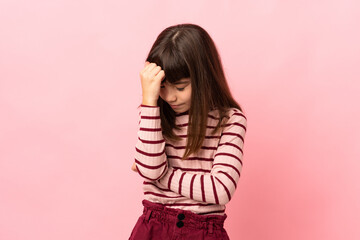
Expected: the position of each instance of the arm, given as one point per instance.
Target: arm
(150, 157)
(218, 185)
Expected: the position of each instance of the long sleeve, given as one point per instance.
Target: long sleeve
(219, 184)
(150, 157)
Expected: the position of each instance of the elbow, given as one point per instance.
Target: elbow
(224, 195)
(149, 168)
(223, 198)
(151, 174)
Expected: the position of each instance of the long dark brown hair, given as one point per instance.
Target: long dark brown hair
(183, 51)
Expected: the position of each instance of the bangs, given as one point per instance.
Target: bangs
(172, 63)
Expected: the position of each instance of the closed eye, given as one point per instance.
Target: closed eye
(180, 89)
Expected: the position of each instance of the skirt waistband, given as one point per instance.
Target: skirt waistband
(181, 217)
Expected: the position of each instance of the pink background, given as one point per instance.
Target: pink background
(69, 88)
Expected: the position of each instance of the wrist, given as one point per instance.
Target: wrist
(149, 103)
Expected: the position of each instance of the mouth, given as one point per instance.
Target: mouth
(175, 106)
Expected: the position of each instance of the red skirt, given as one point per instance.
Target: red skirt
(162, 223)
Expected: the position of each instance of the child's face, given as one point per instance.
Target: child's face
(178, 93)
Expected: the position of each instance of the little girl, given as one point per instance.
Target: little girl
(190, 138)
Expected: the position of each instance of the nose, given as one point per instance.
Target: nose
(169, 95)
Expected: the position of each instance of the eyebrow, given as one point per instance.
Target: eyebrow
(177, 83)
(181, 82)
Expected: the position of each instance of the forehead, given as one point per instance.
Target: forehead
(180, 81)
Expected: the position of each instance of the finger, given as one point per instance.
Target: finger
(147, 67)
(159, 76)
(150, 67)
(153, 72)
(133, 167)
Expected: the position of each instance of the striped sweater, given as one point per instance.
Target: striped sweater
(205, 181)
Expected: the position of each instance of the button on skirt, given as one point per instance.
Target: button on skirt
(163, 223)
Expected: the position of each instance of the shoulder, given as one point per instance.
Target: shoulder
(231, 114)
(235, 113)
(236, 117)
(232, 119)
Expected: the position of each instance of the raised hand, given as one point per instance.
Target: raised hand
(151, 76)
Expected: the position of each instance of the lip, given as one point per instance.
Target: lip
(175, 106)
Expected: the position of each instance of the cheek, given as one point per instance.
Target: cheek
(188, 95)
